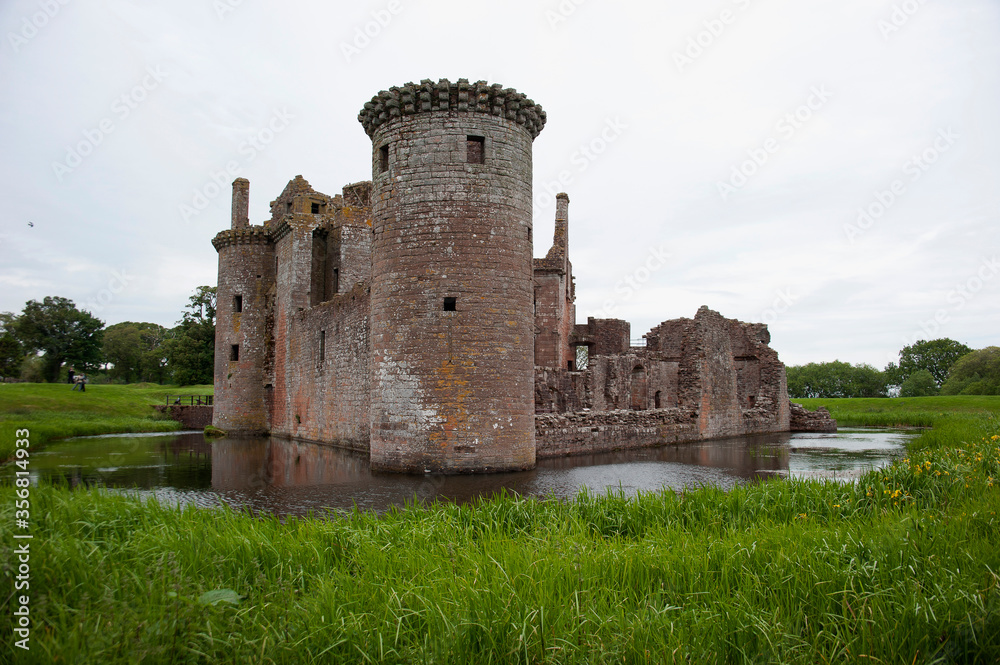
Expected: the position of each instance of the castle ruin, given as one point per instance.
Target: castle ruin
(407, 318)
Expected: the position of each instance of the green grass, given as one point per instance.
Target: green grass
(54, 411)
(903, 411)
(899, 567)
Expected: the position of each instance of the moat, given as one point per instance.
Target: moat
(286, 477)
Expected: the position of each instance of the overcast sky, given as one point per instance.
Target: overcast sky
(715, 153)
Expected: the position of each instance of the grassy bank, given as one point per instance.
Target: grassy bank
(54, 411)
(900, 567)
(904, 411)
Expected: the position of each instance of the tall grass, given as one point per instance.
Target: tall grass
(54, 411)
(899, 567)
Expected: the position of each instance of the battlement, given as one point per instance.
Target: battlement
(427, 96)
(247, 235)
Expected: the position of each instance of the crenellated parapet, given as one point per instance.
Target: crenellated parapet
(247, 235)
(427, 96)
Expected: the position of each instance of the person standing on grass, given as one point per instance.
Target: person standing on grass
(83, 383)
(76, 382)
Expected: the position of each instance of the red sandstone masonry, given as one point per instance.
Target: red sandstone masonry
(451, 390)
(344, 335)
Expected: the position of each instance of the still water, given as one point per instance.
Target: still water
(288, 477)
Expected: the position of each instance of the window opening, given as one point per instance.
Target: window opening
(322, 345)
(234, 352)
(383, 158)
(237, 303)
(315, 208)
(476, 149)
(449, 304)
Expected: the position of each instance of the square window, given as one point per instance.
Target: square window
(237, 303)
(234, 352)
(476, 149)
(315, 208)
(383, 158)
(449, 304)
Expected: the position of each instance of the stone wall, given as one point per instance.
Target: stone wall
(190, 417)
(322, 378)
(595, 432)
(811, 421)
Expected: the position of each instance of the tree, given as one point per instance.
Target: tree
(11, 350)
(62, 333)
(936, 356)
(835, 379)
(134, 351)
(976, 373)
(919, 384)
(190, 352)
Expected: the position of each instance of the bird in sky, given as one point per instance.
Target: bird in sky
(31, 224)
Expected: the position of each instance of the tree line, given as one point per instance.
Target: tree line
(52, 337)
(925, 368)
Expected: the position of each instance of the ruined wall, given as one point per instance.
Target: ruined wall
(597, 432)
(701, 378)
(803, 420)
(555, 311)
(354, 235)
(451, 289)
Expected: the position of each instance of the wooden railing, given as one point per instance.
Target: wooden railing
(189, 400)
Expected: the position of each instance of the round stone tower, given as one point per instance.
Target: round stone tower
(451, 292)
(246, 270)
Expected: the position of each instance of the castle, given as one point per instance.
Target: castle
(407, 318)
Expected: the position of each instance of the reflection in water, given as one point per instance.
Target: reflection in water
(289, 477)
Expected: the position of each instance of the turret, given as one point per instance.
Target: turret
(246, 273)
(451, 290)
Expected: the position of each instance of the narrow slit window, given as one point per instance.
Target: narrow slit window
(234, 352)
(322, 345)
(476, 149)
(449, 304)
(237, 303)
(383, 158)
